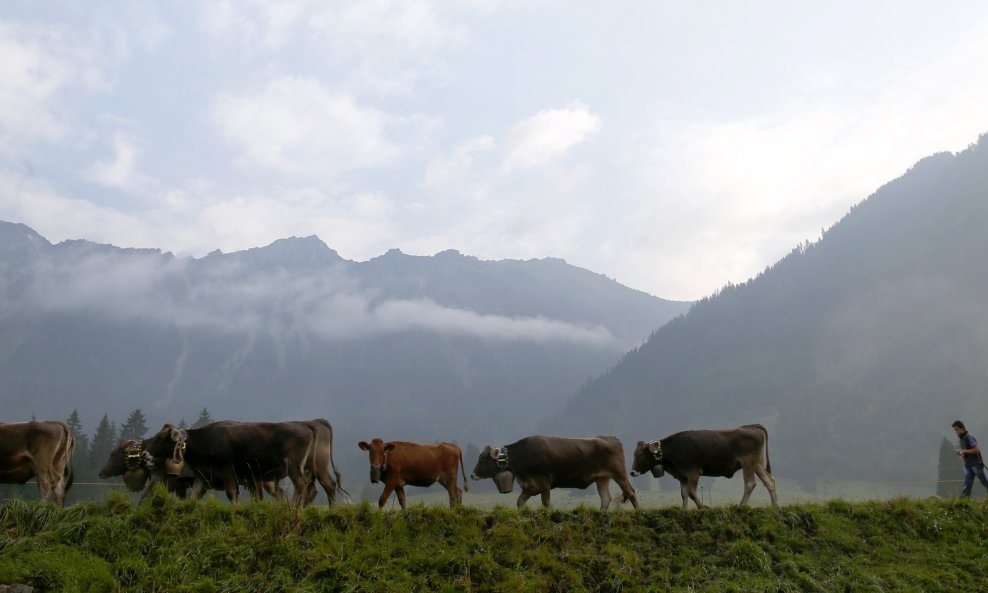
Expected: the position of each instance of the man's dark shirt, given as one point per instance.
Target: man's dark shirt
(969, 442)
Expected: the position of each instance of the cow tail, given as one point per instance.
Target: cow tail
(466, 484)
(68, 476)
(336, 472)
(768, 463)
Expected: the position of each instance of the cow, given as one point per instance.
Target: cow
(541, 463)
(693, 453)
(127, 459)
(41, 449)
(224, 451)
(399, 464)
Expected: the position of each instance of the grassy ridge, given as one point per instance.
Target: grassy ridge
(172, 545)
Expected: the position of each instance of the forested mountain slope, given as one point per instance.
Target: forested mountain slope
(856, 351)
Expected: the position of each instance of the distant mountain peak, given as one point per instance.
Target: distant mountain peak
(291, 252)
(21, 241)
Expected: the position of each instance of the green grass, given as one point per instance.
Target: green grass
(172, 545)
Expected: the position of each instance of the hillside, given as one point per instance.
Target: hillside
(856, 351)
(447, 347)
(167, 545)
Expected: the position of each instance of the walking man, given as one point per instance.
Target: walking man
(973, 463)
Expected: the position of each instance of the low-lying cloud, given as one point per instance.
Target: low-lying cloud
(233, 298)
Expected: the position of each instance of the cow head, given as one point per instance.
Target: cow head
(493, 463)
(167, 448)
(127, 460)
(648, 457)
(377, 451)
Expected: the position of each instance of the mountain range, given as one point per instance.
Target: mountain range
(447, 347)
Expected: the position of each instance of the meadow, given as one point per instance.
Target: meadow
(167, 544)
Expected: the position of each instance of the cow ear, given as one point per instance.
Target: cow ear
(176, 434)
(640, 443)
(653, 446)
(389, 447)
(363, 445)
(496, 453)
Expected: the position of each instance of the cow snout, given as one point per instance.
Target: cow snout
(375, 475)
(473, 476)
(635, 473)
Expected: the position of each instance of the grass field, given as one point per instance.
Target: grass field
(171, 545)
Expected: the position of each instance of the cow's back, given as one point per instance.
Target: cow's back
(420, 465)
(717, 452)
(25, 445)
(568, 462)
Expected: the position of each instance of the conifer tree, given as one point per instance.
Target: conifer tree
(950, 469)
(104, 440)
(182, 423)
(135, 427)
(204, 419)
(81, 454)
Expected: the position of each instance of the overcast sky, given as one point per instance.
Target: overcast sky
(674, 147)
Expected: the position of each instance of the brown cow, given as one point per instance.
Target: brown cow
(399, 464)
(690, 454)
(41, 449)
(542, 463)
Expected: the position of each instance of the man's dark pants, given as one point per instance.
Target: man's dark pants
(973, 470)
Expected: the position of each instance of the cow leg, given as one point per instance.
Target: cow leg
(401, 495)
(451, 489)
(749, 484)
(627, 490)
(545, 497)
(604, 491)
(232, 489)
(199, 488)
(44, 485)
(769, 482)
(328, 486)
(687, 488)
(388, 488)
(523, 498)
(274, 489)
(60, 492)
(253, 487)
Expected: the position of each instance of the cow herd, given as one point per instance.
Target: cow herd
(259, 455)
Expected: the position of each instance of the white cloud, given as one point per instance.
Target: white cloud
(454, 170)
(299, 126)
(349, 27)
(414, 23)
(730, 196)
(232, 298)
(548, 134)
(201, 218)
(38, 63)
(35, 203)
(121, 172)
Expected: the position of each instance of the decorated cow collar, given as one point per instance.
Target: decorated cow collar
(501, 457)
(134, 455)
(656, 448)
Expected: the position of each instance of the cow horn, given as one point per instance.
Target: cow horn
(496, 453)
